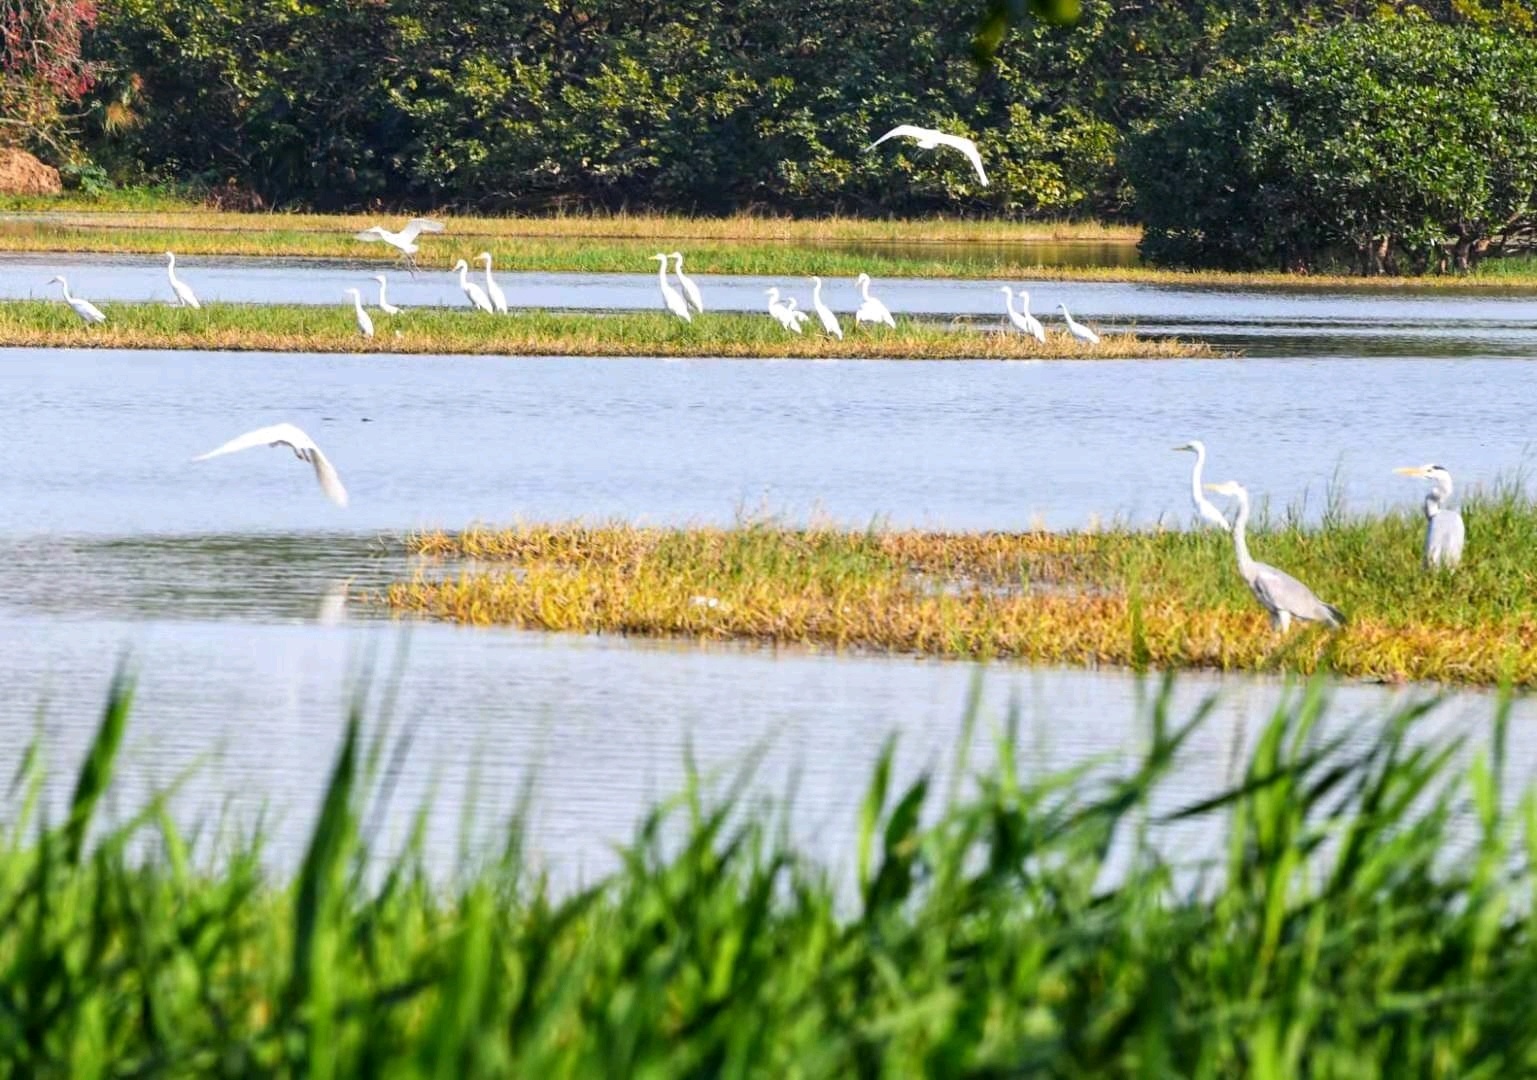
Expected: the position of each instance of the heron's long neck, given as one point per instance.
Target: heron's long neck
(1195, 476)
(382, 286)
(816, 293)
(1241, 537)
(464, 276)
(1008, 303)
(661, 272)
(357, 302)
(864, 288)
(488, 271)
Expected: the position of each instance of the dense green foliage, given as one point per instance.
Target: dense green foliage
(1348, 908)
(1388, 147)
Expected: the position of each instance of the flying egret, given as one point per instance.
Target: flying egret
(302, 445)
(928, 139)
(403, 241)
(825, 313)
(1444, 532)
(871, 310)
(476, 294)
(1282, 595)
(384, 302)
(84, 308)
(1026, 322)
(781, 311)
(493, 290)
(1205, 509)
(184, 294)
(1077, 329)
(690, 290)
(670, 296)
(365, 323)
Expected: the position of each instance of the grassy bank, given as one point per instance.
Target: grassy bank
(1363, 909)
(1121, 597)
(311, 328)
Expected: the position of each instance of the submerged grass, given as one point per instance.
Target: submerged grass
(1364, 909)
(311, 328)
(1164, 599)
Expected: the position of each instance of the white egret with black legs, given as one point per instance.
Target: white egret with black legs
(1022, 320)
(185, 297)
(84, 308)
(1205, 509)
(493, 290)
(870, 309)
(825, 313)
(365, 321)
(476, 294)
(403, 241)
(670, 296)
(690, 290)
(384, 301)
(1077, 329)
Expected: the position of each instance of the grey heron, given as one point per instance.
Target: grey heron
(384, 301)
(929, 138)
(476, 294)
(302, 445)
(1282, 595)
(84, 308)
(365, 322)
(871, 310)
(1204, 507)
(670, 296)
(493, 290)
(1022, 320)
(690, 290)
(185, 297)
(403, 241)
(1444, 532)
(1077, 329)
(825, 313)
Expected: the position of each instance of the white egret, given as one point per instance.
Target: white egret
(84, 308)
(670, 296)
(365, 323)
(1077, 329)
(476, 294)
(184, 294)
(928, 139)
(1444, 531)
(403, 241)
(493, 290)
(1026, 322)
(1282, 595)
(871, 310)
(1205, 509)
(781, 311)
(384, 301)
(302, 445)
(825, 313)
(690, 290)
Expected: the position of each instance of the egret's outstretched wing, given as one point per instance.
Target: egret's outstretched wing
(416, 226)
(274, 435)
(370, 236)
(967, 147)
(901, 131)
(330, 482)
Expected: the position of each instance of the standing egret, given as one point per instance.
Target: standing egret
(690, 290)
(1026, 322)
(1282, 595)
(184, 294)
(1205, 509)
(84, 308)
(825, 313)
(365, 323)
(928, 139)
(493, 290)
(1077, 329)
(403, 241)
(384, 302)
(797, 317)
(871, 310)
(1444, 531)
(1033, 325)
(781, 311)
(302, 445)
(670, 296)
(476, 294)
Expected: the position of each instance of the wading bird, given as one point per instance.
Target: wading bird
(493, 290)
(476, 294)
(1282, 595)
(1444, 532)
(825, 313)
(782, 312)
(1077, 329)
(184, 294)
(871, 310)
(670, 296)
(928, 139)
(365, 323)
(690, 290)
(797, 316)
(384, 301)
(302, 445)
(403, 241)
(1023, 321)
(1205, 509)
(84, 308)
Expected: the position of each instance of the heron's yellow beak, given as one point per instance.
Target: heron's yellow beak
(1212, 487)
(1411, 470)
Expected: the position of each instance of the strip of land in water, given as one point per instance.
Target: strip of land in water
(541, 332)
(1130, 598)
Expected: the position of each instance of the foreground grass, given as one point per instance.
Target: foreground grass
(1164, 599)
(1363, 909)
(537, 332)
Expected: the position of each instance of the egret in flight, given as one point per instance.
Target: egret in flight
(304, 449)
(782, 312)
(825, 313)
(1205, 509)
(403, 241)
(1077, 329)
(690, 290)
(365, 323)
(184, 294)
(1444, 532)
(871, 310)
(670, 296)
(1023, 320)
(493, 290)
(1282, 595)
(84, 308)
(384, 301)
(476, 294)
(928, 139)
